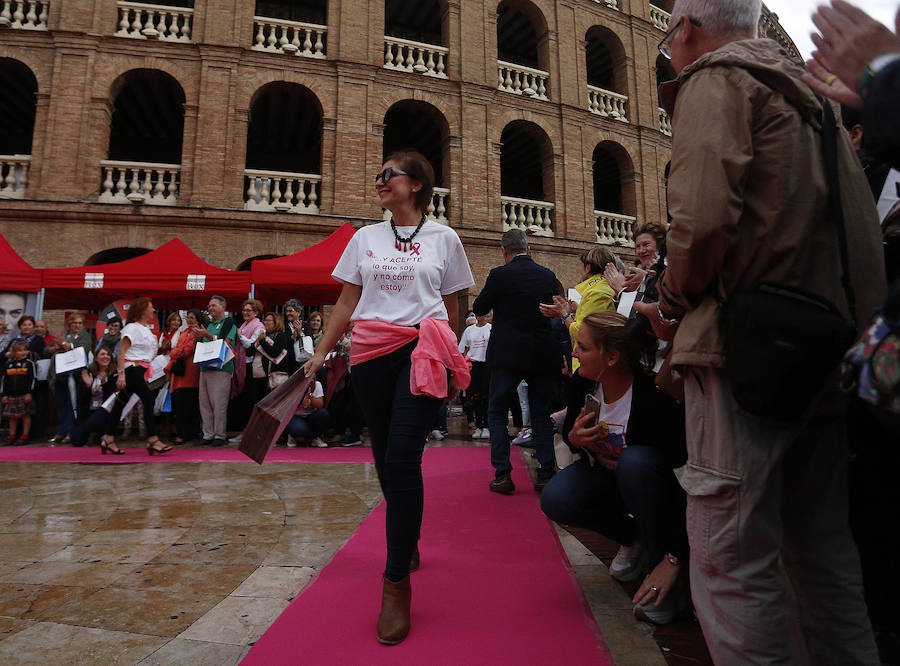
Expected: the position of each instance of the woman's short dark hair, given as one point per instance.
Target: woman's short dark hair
(24, 318)
(597, 258)
(417, 167)
(138, 306)
(200, 316)
(115, 319)
(658, 231)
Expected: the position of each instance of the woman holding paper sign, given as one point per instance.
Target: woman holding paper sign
(401, 279)
(65, 386)
(136, 350)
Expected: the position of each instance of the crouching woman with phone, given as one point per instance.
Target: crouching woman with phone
(630, 435)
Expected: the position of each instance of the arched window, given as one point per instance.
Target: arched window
(526, 178)
(414, 36)
(522, 52)
(115, 255)
(145, 137)
(284, 150)
(18, 103)
(606, 74)
(410, 124)
(614, 196)
(245, 264)
(291, 27)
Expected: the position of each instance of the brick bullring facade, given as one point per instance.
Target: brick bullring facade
(254, 129)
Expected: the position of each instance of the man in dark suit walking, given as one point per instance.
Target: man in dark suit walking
(521, 347)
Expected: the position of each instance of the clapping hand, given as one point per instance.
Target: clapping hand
(634, 278)
(558, 308)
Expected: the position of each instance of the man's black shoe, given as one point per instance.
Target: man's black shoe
(218, 441)
(203, 442)
(503, 485)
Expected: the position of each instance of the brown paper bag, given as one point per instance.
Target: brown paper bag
(271, 415)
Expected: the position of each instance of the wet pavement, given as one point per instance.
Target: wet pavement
(191, 562)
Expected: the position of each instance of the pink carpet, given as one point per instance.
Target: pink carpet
(494, 586)
(91, 454)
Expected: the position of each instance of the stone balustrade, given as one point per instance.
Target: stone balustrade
(608, 104)
(614, 229)
(415, 57)
(14, 176)
(437, 209)
(290, 37)
(139, 183)
(281, 191)
(665, 123)
(659, 18)
(143, 21)
(521, 80)
(612, 4)
(532, 217)
(24, 14)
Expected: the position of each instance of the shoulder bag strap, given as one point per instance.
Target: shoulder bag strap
(829, 144)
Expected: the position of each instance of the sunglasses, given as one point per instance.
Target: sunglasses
(386, 175)
(664, 47)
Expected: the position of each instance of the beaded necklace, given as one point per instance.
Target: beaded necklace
(404, 244)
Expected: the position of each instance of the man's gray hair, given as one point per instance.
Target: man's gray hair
(722, 18)
(216, 297)
(514, 241)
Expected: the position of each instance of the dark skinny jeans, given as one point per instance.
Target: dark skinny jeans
(399, 423)
(643, 484)
(134, 383)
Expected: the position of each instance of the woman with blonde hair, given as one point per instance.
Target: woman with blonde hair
(629, 435)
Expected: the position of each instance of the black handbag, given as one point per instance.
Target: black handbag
(784, 344)
(179, 367)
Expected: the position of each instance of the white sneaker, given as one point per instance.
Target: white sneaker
(436, 434)
(236, 439)
(485, 434)
(318, 443)
(291, 442)
(627, 563)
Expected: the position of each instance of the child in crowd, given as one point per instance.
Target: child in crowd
(17, 389)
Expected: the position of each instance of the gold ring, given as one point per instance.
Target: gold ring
(831, 79)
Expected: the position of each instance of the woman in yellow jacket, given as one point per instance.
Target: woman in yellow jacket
(596, 294)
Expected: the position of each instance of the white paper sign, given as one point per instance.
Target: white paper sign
(195, 282)
(626, 302)
(70, 360)
(158, 366)
(93, 280)
(42, 369)
(573, 295)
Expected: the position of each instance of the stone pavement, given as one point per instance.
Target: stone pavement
(190, 563)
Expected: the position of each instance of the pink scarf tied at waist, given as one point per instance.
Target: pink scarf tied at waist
(435, 353)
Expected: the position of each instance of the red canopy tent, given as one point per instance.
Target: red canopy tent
(172, 275)
(306, 274)
(16, 274)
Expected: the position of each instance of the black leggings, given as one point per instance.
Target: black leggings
(399, 423)
(134, 384)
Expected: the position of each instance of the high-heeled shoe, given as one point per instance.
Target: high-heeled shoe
(152, 448)
(106, 447)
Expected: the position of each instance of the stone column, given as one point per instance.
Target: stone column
(190, 138)
(328, 167)
(240, 126)
(38, 139)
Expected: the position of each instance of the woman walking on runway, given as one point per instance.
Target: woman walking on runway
(400, 280)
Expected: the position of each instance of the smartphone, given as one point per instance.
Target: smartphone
(591, 406)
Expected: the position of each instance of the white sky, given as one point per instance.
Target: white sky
(794, 16)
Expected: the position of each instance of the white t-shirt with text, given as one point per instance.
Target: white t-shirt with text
(476, 339)
(615, 415)
(404, 287)
(143, 342)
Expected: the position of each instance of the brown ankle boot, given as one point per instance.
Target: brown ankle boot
(393, 622)
(414, 560)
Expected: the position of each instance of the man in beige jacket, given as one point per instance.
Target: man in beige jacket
(748, 198)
